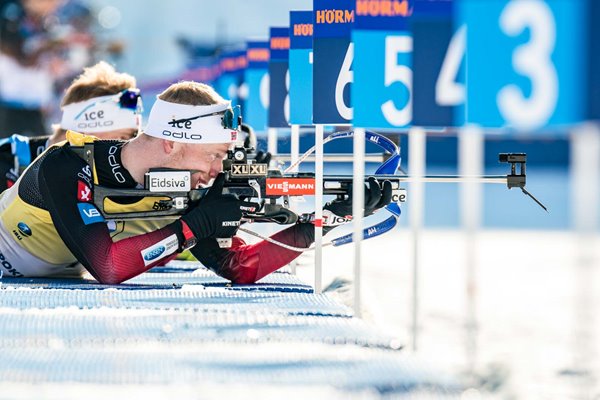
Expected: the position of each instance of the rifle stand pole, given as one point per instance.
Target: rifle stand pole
(471, 161)
(319, 129)
(272, 141)
(358, 203)
(585, 197)
(294, 155)
(416, 167)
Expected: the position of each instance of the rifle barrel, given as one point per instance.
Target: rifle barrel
(430, 178)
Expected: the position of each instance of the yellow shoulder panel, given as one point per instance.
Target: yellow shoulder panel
(39, 237)
(79, 139)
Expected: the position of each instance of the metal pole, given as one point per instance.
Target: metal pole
(295, 154)
(358, 206)
(471, 162)
(416, 167)
(446, 179)
(272, 140)
(319, 129)
(585, 170)
(295, 146)
(585, 197)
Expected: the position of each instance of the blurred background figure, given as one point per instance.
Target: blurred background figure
(44, 44)
(27, 64)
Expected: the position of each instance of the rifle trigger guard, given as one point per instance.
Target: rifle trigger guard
(256, 186)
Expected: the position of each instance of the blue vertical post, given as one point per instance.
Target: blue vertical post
(232, 66)
(333, 53)
(257, 82)
(301, 76)
(382, 88)
(279, 110)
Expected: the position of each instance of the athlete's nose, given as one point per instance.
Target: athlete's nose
(215, 168)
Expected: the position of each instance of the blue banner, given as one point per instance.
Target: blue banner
(333, 18)
(593, 86)
(438, 65)
(301, 30)
(431, 9)
(332, 61)
(279, 44)
(301, 73)
(525, 63)
(232, 65)
(382, 88)
(383, 15)
(256, 79)
(278, 71)
(258, 54)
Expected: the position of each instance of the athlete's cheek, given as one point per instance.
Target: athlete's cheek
(215, 168)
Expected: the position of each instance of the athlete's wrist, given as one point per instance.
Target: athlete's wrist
(187, 239)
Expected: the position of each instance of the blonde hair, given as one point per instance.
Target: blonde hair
(95, 81)
(191, 93)
(98, 80)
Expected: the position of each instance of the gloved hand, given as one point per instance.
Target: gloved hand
(262, 157)
(217, 215)
(339, 211)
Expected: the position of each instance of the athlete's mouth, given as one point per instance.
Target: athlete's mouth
(201, 182)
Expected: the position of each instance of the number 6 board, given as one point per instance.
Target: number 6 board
(332, 61)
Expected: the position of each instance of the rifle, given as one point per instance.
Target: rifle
(246, 179)
(255, 181)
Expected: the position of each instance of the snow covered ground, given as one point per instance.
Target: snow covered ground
(527, 328)
(182, 331)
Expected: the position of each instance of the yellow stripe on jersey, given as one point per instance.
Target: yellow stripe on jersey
(42, 239)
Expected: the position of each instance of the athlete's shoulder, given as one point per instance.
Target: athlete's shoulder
(79, 139)
(59, 166)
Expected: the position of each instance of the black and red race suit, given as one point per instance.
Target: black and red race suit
(50, 225)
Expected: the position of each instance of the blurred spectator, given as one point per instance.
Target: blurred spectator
(79, 28)
(28, 62)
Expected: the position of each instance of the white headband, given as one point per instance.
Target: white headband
(189, 124)
(97, 115)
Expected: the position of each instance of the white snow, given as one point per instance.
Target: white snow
(536, 301)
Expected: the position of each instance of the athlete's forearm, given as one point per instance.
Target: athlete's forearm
(249, 263)
(113, 263)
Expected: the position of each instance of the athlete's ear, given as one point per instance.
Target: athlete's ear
(168, 146)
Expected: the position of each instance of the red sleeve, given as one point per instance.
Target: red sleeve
(244, 263)
(77, 221)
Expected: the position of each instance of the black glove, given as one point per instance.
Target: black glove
(262, 157)
(339, 211)
(217, 215)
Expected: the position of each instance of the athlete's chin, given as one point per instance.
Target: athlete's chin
(201, 183)
(204, 182)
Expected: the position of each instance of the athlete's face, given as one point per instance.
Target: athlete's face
(118, 134)
(204, 160)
